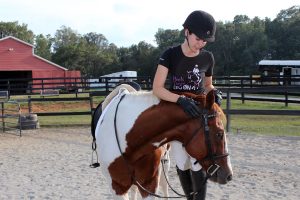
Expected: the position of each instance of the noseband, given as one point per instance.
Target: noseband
(212, 169)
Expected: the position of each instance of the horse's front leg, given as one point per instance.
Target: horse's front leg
(147, 174)
(120, 197)
(164, 169)
(133, 192)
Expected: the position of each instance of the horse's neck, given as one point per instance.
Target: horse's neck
(181, 133)
(159, 124)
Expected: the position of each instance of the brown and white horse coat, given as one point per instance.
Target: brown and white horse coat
(142, 124)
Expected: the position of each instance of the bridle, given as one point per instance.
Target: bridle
(212, 157)
(212, 169)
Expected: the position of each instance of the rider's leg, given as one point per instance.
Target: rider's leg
(183, 167)
(199, 184)
(186, 182)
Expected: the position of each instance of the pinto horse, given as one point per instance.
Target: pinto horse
(133, 128)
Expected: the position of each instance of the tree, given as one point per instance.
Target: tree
(168, 38)
(19, 31)
(138, 58)
(68, 49)
(284, 35)
(222, 48)
(43, 46)
(99, 54)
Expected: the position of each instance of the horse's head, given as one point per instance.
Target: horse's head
(208, 143)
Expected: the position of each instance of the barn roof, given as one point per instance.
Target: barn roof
(280, 62)
(36, 56)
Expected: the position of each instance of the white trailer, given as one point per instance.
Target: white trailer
(119, 77)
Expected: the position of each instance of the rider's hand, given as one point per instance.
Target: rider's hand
(218, 96)
(189, 106)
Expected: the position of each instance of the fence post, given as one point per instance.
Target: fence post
(29, 104)
(242, 94)
(2, 116)
(228, 105)
(286, 96)
(42, 84)
(8, 89)
(106, 86)
(91, 103)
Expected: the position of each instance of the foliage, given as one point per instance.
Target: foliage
(16, 30)
(239, 46)
(43, 46)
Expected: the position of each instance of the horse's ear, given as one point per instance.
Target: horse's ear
(210, 100)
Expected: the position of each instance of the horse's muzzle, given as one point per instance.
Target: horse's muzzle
(221, 176)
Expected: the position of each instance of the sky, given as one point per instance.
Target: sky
(127, 22)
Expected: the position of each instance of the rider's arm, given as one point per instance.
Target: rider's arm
(208, 84)
(159, 89)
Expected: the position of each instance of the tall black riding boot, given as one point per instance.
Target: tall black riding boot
(199, 184)
(186, 182)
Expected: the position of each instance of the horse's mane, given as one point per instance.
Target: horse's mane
(201, 99)
(220, 112)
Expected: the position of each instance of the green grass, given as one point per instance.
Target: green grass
(237, 104)
(264, 124)
(61, 121)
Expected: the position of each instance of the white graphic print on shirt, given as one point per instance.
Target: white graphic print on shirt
(193, 81)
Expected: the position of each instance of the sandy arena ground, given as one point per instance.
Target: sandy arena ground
(54, 164)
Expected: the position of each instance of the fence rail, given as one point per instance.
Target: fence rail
(287, 90)
(81, 84)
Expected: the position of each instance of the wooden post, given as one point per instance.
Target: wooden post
(2, 115)
(242, 94)
(8, 89)
(91, 103)
(42, 84)
(106, 86)
(286, 96)
(29, 104)
(228, 105)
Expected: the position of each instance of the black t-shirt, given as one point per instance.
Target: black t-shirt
(187, 73)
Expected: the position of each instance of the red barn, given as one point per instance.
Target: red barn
(17, 60)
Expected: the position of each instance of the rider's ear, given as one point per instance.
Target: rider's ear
(210, 99)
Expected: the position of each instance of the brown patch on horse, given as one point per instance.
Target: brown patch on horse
(150, 125)
(140, 151)
(145, 174)
(121, 179)
(153, 128)
(143, 134)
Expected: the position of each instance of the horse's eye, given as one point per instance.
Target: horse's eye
(220, 135)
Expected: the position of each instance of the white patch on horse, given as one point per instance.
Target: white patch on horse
(158, 144)
(228, 157)
(125, 119)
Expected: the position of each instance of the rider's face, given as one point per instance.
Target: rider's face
(195, 42)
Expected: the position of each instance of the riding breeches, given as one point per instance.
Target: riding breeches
(183, 160)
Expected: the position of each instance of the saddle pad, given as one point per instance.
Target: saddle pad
(115, 92)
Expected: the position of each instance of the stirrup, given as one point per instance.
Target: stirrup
(96, 164)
